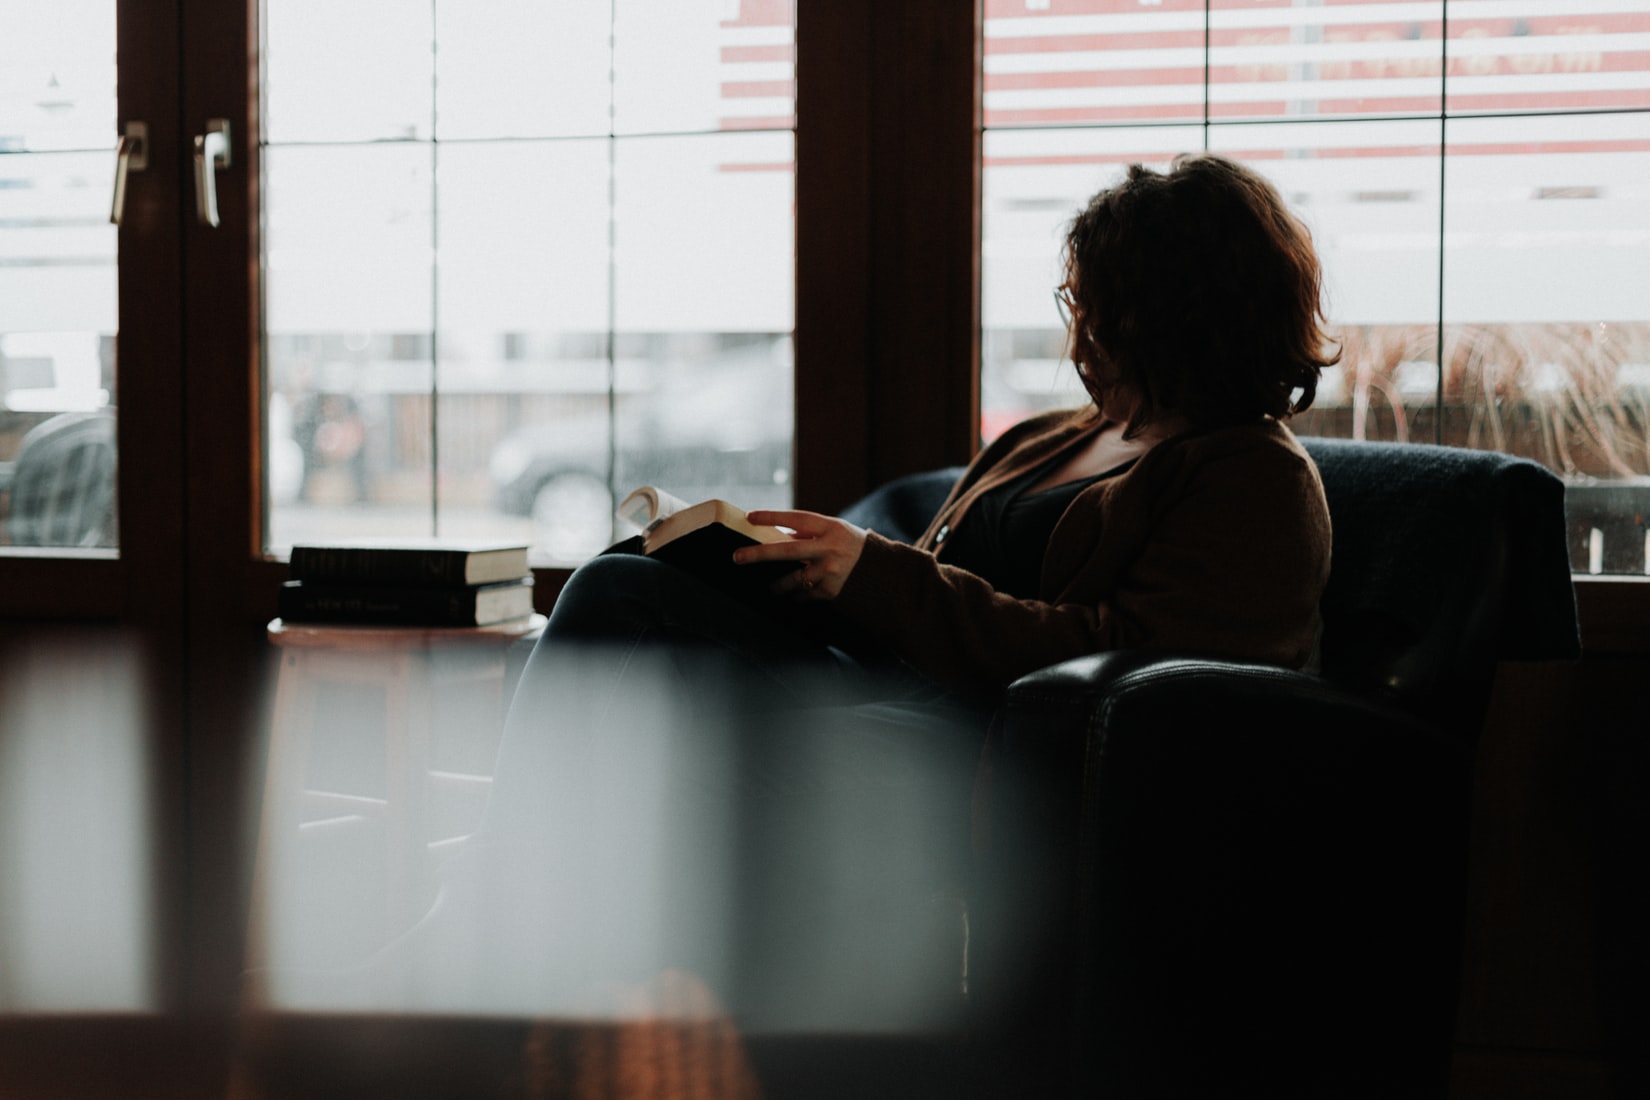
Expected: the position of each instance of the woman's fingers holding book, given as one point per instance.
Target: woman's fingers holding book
(805, 524)
(825, 548)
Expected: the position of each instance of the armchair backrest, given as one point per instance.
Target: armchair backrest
(1445, 561)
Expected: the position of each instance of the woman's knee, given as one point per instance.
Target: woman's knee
(607, 574)
(605, 596)
(629, 599)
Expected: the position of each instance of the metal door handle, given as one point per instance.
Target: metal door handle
(211, 154)
(131, 155)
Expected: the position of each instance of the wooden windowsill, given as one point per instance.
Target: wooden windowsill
(75, 585)
(1614, 610)
(1614, 613)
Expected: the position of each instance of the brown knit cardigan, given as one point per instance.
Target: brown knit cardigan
(1213, 543)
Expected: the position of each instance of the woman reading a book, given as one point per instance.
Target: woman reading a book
(1174, 512)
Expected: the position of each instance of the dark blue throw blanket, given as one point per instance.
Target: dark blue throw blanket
(1416, 525)
(901, 509)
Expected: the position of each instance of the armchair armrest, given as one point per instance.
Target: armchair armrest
(1203, 872)
(1108, 679)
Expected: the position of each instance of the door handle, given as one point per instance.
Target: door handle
(211, 154)
(131, 155)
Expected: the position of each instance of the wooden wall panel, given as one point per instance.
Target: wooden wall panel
(1555, 964)
(887, 323)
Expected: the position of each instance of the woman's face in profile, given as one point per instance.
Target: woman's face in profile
(1098, 373)
(1101, 378)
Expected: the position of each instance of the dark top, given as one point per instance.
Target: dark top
(1008, 529)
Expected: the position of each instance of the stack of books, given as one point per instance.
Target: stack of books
(408, 582)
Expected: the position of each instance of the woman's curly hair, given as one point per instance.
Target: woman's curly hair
(1199, 291)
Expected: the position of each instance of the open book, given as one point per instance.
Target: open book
(700, 538)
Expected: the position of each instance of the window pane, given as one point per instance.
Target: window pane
(57, 75)
(443, 332)
(699, 373)
(1272, 59)
(696, 65)
(703, 233)
(1057, 63)
(1547, 313)
(75, 839)
(524, 237)
(57, 276)
(355, 71)
(1517, 55)
(1369, 192)
(348, 313)
(57, 255)
(523, 68)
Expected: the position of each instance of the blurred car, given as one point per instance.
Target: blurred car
(708, 430)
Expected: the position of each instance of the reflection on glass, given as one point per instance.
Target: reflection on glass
(1316, 61)
(356, 71)
(1506, 55)
(57, 276)
(1547, 320)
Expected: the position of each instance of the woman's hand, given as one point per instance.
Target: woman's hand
(825, 548)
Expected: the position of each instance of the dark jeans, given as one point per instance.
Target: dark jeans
(708, 777)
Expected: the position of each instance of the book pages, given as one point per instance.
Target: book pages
(645, 507)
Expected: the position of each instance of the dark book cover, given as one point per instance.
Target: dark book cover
(409, 562)
(707, 553)
(461, 605)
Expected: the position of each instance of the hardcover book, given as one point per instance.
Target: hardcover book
(421, 605)
(701, 539)
(409, 562)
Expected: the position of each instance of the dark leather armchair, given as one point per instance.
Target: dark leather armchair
(1204, 878)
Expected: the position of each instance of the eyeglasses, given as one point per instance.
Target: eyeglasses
(1063, 303)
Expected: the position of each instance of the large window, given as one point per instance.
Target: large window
(1474, 173)
(521, 257)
